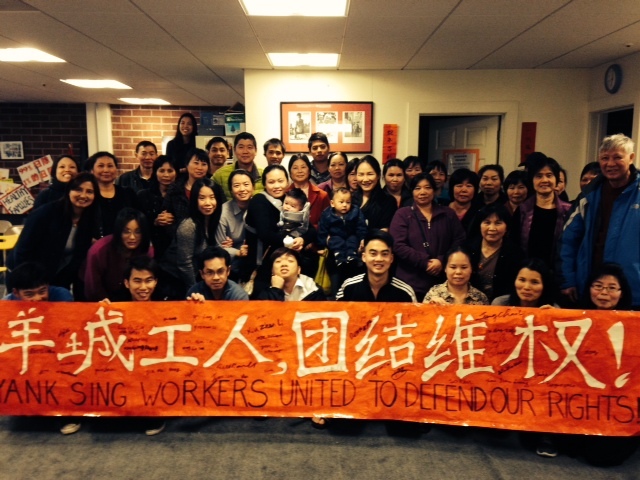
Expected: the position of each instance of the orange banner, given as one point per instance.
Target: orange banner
(554, 370)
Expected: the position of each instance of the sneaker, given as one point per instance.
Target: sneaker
(70, 428)
(319, 423)
(547, 449)
(150, 432)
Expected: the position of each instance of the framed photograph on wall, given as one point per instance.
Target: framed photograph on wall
(11, 151)
(347, 125)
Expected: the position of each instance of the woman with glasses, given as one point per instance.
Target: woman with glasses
(109, 257)
(609, 289)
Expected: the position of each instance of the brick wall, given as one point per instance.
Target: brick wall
(132, 124)
(48, 129)
(43, 129)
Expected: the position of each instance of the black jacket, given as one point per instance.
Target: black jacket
(107, 209)
(177, 203)
(509, 259)
(56, 191)
(150, 202)
(44, 238)
(379, 210)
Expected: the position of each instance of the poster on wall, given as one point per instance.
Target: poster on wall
(7, 186)
(44, 164)
(347, 125)
(11, 151)
(461, 158)
(234, 123)
(35, 172)
(212, 124)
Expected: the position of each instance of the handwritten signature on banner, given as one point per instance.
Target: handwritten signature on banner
(545, 370)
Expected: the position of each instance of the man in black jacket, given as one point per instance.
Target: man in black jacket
(377, 285)
(140, 178)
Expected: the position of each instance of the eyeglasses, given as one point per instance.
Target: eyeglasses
(598, 287)
(213, 273)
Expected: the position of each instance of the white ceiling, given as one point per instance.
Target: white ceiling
(193, 52)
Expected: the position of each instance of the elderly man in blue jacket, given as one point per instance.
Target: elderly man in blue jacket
(604, 225)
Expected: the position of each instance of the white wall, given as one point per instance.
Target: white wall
(99, 128)
(627, 96)
(558, 100)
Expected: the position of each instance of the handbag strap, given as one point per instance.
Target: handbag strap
(425, 243)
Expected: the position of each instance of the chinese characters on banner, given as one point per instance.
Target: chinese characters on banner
(553, 370)
(35, 172)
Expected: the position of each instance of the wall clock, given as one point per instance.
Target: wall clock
(613, 78)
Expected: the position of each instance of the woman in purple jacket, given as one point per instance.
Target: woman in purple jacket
(538, 221)
(423, 234)
(108, 258)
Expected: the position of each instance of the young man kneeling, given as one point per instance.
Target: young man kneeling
(30, 284)
(214, 264)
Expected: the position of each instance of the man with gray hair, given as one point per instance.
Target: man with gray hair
(605, 223)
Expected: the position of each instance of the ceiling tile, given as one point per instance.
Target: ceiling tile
(197, 51)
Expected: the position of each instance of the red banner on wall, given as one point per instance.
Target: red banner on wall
(551, 370)
(389, 141)
(527, 140)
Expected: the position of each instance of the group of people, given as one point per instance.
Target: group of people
(199, 225)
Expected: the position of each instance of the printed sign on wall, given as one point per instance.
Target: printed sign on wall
(18, 200)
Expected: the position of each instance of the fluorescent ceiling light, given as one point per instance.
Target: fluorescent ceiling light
(27, 55)
(304, 59)
(287, 8)
(145, 101)
(77, 82)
